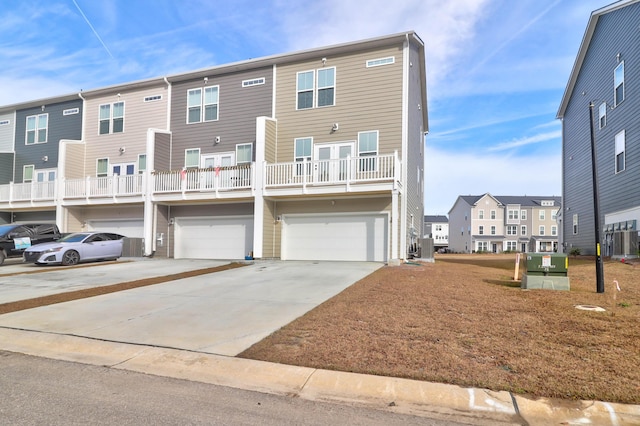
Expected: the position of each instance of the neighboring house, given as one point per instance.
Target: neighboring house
(437, 228)
(35, 131)
(605, 75)
(291, 156)
(487, 223)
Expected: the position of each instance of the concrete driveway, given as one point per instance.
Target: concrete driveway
(220, 313)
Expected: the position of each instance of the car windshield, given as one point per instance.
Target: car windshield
(73, 238)
(5, 229)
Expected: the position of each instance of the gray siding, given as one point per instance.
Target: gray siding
(614, 33)
(237, 111)
(59, 127)
(6, 167)
(7, 131)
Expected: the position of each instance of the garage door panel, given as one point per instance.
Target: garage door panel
(335, 237)
(213, 238)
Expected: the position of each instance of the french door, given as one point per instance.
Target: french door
(331, 163)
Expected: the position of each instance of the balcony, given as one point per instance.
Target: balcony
(218, 182)
(28, 194)
(90, 190)
(357, 174)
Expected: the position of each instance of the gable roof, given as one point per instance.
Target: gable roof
(584, 47)
(436, 219)
(522, 200)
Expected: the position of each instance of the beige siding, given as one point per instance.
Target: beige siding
(7, 132)
(269, 248)
(365, 99)
(74, 162)
(139, 116)
(162, 226)
(271, 141)
(77, 216)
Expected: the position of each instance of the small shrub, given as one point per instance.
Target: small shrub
(575, 251)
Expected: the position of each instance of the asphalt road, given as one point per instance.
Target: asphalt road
(43, 391)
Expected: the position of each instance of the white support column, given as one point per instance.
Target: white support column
(258, 185)
(394, 225)
(149, 225)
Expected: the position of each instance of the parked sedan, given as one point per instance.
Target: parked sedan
(76, 248)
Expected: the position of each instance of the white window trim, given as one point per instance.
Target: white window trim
(253, 82)
(493, 215)
(186, 151)
(202, 105)
(250, 153)
(24, 169)
(106, 173)
(111, 117)
(371, 63)
(541, 214)
(602, 115)
(620, 148)
(523, 215)
(523, 230)
(315, 89)
(152, 98)
(481, 230)
(481, 214)
(615, 86)
(541, 230)
(71, 111)
(37, 129)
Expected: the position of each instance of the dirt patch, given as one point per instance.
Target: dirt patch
(97, 291)
(464, 320)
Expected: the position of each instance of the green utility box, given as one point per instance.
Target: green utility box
(546, 271)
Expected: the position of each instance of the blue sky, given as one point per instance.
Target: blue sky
(496, 69)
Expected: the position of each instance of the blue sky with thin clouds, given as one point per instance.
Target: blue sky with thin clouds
(496, 69)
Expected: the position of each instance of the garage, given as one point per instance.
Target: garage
(353, 237)
(132, 228)
(213, 237)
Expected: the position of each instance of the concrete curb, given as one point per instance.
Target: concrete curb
(387, 393)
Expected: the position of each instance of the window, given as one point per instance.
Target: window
(307, 87)
(493, 214)
(303, 153)
(575, 224)
(554, 215)
(513, 214)
(102, 167)
(554, 230)
(202, 108)
(326, 86)
(381, 61)
(602, 114)
(481, 230)
(483, 246)
(511, 246)
(153, 98)
(541, 230)
(523, 230)
(253, 82)
(367, 147)
(192, 158)
(111, 118)
(71, 111)
(493, 230)
(27, 173)
(512, 230)
(618, 84)
(480, 214)
(438, 227)
(37, 129)
(142, 163)
(541, 215)
(244, 153)
(5, 122)
(523, 214)
(620, 148)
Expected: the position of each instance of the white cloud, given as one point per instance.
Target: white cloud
(450, 174)
(541, 137)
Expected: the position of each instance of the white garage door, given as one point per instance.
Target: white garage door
(132, 228)
(213, 237)
(335, 237)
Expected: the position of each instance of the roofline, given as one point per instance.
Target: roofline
(582, 51)
(241, 65)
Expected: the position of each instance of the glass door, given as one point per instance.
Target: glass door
(331, 161)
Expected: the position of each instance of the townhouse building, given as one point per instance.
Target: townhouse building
(316, 154)
(437, 228)
(487, 223)
(601, 94)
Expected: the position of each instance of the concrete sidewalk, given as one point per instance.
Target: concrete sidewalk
(191, 329)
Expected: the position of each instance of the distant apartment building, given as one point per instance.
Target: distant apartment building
(488, 223)
(437, 228)
(602, 92)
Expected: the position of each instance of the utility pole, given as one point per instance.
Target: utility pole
(596, 207)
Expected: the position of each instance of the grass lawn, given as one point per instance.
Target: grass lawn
(463, 320)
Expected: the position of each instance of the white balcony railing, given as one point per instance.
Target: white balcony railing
(204, 180)
(331, 172)
(107, 186)
(29, 191)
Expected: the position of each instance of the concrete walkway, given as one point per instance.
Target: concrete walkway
(191, 328)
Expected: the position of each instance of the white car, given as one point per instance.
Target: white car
(76, 248)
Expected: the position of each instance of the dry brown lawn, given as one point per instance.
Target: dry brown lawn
(463, 320)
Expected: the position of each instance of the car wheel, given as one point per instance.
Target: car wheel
(70, 257)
